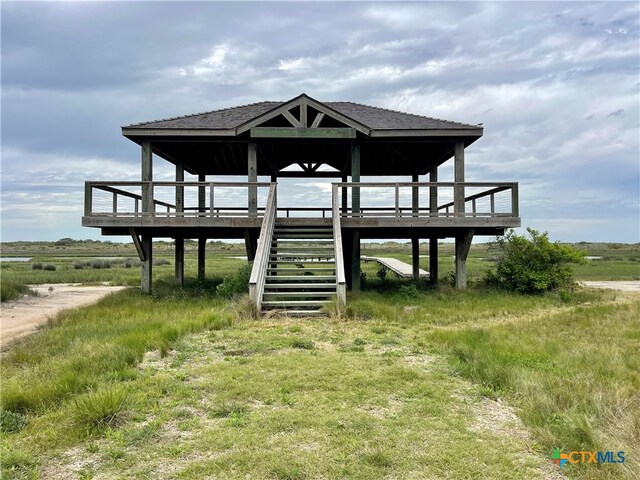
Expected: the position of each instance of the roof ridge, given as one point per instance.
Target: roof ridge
(168, 119)
(407, 113)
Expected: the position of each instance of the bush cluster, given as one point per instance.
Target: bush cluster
(12, 421)
(46, 266)
(532, 265)
(236, 284)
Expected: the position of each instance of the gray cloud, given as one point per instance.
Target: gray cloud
(555, 84)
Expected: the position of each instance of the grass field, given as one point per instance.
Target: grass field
(411, 383)
(614, 262)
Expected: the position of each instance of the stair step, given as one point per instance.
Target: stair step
(302, 229)
(289, 262)
(298, 294)
(269, 286)
(306, 238)
(286, 303)
(302, 241)
(328, 248)
(330, 266)
(304, 278)
(302, 258)
(298, 313)
(302, 255)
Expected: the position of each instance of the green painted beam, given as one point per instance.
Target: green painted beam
(293, 132)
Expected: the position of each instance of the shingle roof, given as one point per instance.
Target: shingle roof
(216, 119)
(378, 118)
(375, 118)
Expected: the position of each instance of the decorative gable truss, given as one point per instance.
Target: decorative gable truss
(303, 117)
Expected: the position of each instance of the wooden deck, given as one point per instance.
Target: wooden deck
(380, 210)
(401, 269)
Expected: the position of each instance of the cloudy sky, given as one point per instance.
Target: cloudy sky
(556, 85)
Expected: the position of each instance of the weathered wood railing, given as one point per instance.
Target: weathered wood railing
(501, 199)
(170, 199)
(116, 194)
(261, 260)
(341, 281)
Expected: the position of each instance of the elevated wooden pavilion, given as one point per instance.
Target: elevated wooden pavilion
(310, 139)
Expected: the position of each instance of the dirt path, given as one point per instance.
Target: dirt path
(623, 286)
(21, 317)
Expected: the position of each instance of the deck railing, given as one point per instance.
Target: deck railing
(173, 199)
(429, 199)
(341, 281)
(231, 199)
(259, 268)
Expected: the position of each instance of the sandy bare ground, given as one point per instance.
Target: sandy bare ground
(21, 317)
(623, 286)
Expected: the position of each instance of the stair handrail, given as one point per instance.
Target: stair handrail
(261, 259)
(341, 282)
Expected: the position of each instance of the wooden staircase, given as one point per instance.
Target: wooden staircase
(301, 271)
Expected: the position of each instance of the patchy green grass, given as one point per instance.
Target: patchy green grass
(182, 385)
(11, 288)
(116, 271)
(571, 373)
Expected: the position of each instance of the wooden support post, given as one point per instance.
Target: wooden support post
(415, 257)
(179, 260)
(515, 202)
(345, 194)
(355, 262)
(201, 196)
(415, 196)
(458, 194)
(355, 177)
(202, 250)
(251, 244)
(179, 190)
(433, 191)
(303, 115)
(211, 200)
(463, 244)
(433, 260)
(146, 267)
(252, 168)
(88, 200)
(137, 244)
(347, 251)
(147, 176)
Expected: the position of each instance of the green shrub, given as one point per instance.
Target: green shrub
(532, 265)
(382, 273)
(49, 267)
(363, 280)
(11, 289)
(302, 344)
(12, 421)
(410, 292)
(36, 266)
(100, 409)
(160, 261)
(131, 262)
(236, 284)
(99, 264)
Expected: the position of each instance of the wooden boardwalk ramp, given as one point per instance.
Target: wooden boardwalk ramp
(401, 269)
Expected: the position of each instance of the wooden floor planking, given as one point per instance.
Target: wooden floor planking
(401, 269)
